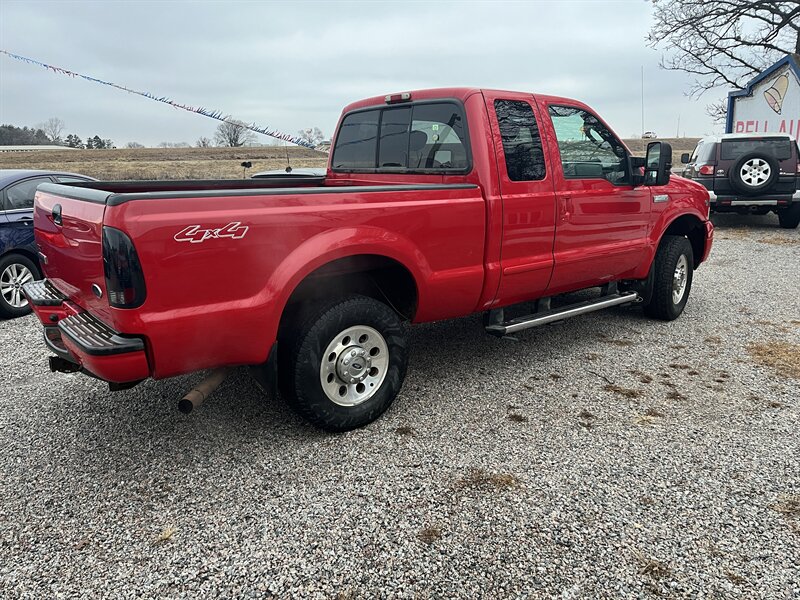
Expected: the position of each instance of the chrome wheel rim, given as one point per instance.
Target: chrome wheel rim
(354, 365)
(679, 279)
(755, 172)
(13, 277)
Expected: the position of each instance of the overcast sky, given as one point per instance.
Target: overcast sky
(290, 65)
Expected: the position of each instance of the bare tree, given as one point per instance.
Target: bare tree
(233, 134)
(724, 43)
(53, 128)
(203, 142)
(312, 135)
(134, 145)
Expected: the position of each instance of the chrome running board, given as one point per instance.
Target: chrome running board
(559, 314)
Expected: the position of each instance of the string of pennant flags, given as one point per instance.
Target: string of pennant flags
(206, 112)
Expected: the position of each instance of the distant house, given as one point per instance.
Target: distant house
(33, 148)
(770, 103)
(324, 146)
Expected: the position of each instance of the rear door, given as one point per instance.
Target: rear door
(602, 220)
(526, 186)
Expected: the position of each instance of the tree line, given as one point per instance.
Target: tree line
(49, 132)
(229, 134)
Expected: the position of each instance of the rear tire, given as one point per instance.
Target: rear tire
(15, 271)
(672, 278)
(789, 218)
(345, 365)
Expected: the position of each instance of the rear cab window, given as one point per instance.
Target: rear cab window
(424, 137)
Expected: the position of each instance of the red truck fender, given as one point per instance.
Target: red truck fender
(330, 246)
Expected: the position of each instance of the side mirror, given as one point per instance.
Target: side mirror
(658, 164)
(685, 158)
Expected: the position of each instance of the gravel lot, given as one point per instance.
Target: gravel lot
(609, 456)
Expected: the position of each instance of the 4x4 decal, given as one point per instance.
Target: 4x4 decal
(195, 234)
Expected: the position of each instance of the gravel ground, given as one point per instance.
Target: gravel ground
(609, 456)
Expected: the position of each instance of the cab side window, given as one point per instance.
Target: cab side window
(588, 148)
(20, 195)
(522, 144)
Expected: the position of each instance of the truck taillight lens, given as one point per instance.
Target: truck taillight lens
(123, 271)
(706, 170)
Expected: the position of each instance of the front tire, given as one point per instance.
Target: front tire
(15, 271)
(346, 364)
(672, 278)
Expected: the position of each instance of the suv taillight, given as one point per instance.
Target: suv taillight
(706, 170)
(123, 271)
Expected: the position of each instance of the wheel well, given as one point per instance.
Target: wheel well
(26, 253)
(370, 275)
(692, 228)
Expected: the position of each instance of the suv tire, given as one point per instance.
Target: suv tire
(673, 268)
(15, 271)
(754, 173)
(346, 364)
(789, 218)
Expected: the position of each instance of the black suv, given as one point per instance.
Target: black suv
(749, 174)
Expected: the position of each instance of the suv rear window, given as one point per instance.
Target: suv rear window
(780, 148)
(428, 136)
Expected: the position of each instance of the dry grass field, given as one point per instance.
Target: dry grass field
(164, 163)
(203, 163)
(679, 146)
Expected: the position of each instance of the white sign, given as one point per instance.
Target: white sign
(773, 106)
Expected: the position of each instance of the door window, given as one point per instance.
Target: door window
(588, 148)
(20, 195)
(522, 144)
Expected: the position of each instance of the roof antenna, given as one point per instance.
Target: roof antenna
(288, 164)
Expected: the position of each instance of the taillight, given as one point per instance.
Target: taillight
(706, 170)
(123, 271)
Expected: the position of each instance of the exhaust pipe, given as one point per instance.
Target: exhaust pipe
(198, 394)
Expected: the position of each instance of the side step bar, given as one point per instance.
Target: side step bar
(559, 314)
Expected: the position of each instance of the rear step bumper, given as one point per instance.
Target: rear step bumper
(77, 336)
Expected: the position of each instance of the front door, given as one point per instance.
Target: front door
(526, 187)
(602, 221)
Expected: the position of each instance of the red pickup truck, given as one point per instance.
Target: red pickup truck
(436, 204)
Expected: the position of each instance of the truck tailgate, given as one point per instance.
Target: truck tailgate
(69, 233)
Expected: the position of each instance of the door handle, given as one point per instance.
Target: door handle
(566, 208)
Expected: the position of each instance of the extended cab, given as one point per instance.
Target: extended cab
(436, 204)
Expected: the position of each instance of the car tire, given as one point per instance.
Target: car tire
(754, 173)
(789, 218)
(346, 364)
(15, 271)
(673, 268)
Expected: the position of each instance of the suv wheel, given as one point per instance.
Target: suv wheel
(673, 268)
(789, 218)
(754, 173)
(15, 271)
(347, 363)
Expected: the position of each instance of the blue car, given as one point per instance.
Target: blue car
(19, 262)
